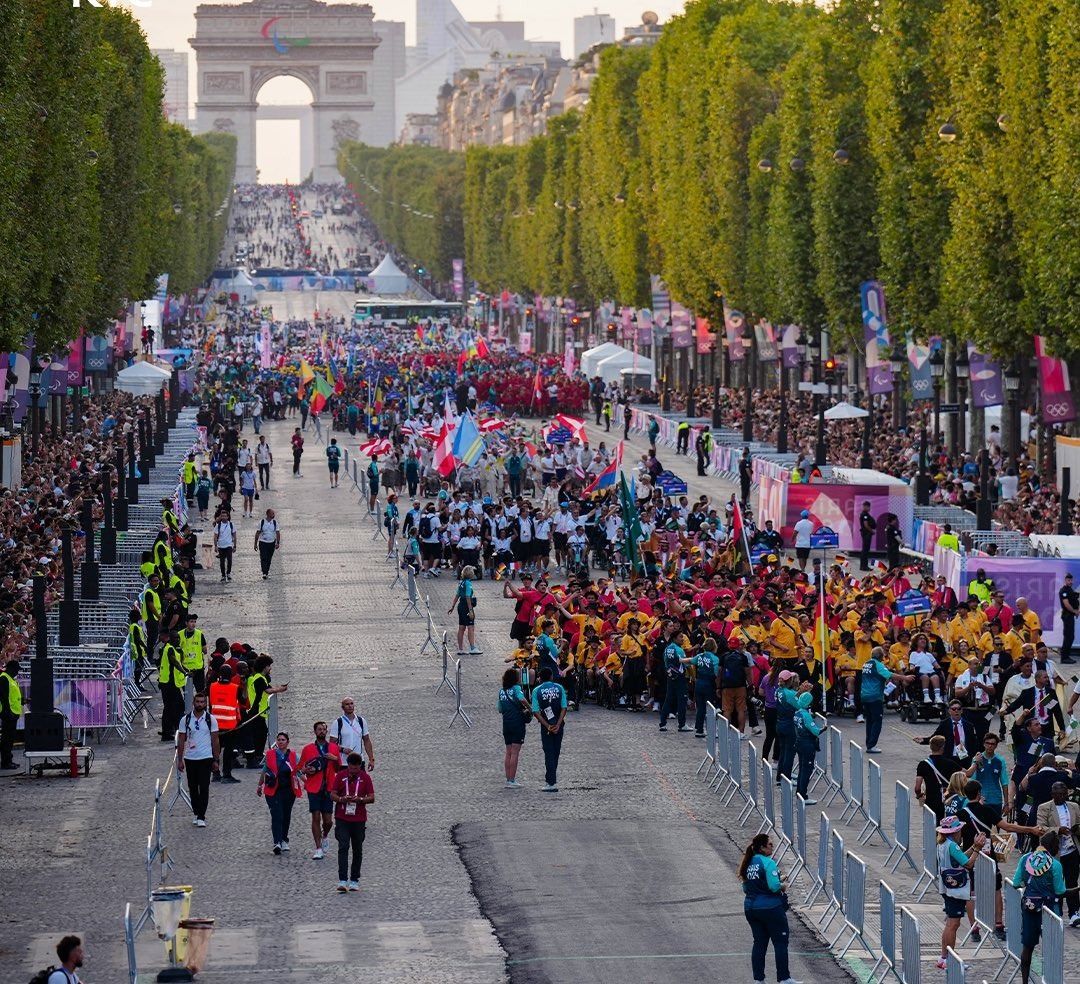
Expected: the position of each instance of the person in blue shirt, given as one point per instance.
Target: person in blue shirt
(547, 653)
(875, 674)
(991, 771)
(765, 907)
(674, 660)
(954, 878)
(373, 482)
(806, 742)
(333, 461)
(549, 709)
(786, 706)
(465, 602)
(515, 711)
(1040, 875)
(706, 670)
(390, 521)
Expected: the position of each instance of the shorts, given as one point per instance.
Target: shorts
(333, 466)
(560, 540)
(320, 803)
(431, 551)
(514, 736)
(520, 631)
(803, 553)
(541, 548)
(954, 908)
(465, 616)
(373, 487)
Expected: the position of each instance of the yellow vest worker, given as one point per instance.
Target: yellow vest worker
(150, 605)
(193, 648)
(263, 701)
(10, 694)
(171, 669)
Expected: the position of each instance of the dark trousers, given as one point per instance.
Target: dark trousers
(266, 554)
(552, 745)
(172, 706)
(864, 553)
(227, 741)
(7, 739)
(1070, 867)
(807, 752)
(264, 476)
(413, 481)
(785, 756)
(700, 463)
(682, 441)
(702, 695)
(1068, 634)
(225, 560)
(874, 712)
(198, 784)
(296, 456)
(744, 489)
(674, 702)
(515, 485)
(281, 806)
(769, 925)
(349, 833)
(771, 742)
(255, 739)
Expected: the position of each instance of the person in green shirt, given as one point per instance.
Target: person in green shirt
(706, 669)
(11, 708)
(1040, 875)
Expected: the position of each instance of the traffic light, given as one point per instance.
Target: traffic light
(575, 321)
(611, 332)
(830, 365)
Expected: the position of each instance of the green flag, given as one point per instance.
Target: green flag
(631, 523)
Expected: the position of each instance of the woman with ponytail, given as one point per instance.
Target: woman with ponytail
(765, 906)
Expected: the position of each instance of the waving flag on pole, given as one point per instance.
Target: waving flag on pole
(538, 388)
(333, 374)
(482, 350)
(307, 374)
(631, 523)
(468, 444)
(443, 459)
(320, 393)
(739, 538)
(606, 479)
(575, 425)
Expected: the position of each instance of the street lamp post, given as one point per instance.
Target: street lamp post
(1012, 400)
(922, 480)
(34, 393)
(748, 383)
(963, 370)
(867, 435)
(897, 358)
(715, 390)
(937, 371)
(983, 508)
(665, 348)
(820, 451)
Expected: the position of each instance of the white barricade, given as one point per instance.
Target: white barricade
(901, 848)
(768, 797)
(873, 807)
(446, 681)
(854, 906)
(1013, 913)
(836, 886)
(985, 895)
(837, 784)
(929, 854)
(1053, 947)
(856, 780)
(735, 765)
(430, 640)
(721, 776)
(819, 760)
(710, 741)
(800, 836)
(910, 948)
(887, 923)
(955, 971)
(412, 604)
(787, 820)
(753, 773)
(821, 875)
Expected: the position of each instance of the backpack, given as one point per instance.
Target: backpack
(42, 976)
(425, 526)
(733, 669)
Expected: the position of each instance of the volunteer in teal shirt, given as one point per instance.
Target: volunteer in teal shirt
(706, 668)
(875, 674)
(513, 706)
(765, 907)
(806, 743)
(1042, 879)
(549, 708)
(992, 772)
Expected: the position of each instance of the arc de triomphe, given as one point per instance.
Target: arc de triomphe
(330, 47)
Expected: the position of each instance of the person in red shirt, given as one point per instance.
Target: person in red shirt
(527, 600)
(351, 792)
(318, 766)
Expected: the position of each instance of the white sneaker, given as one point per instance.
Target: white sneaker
(194, 821)
(326, 844)
(551, 788)
(860, 720)
(354, 886)
(790, 980)
(476, 651)
(810, 802)
(284, 845)
(200, 823)
(318, 855)
(1075, 921)
(873, 751)
(511, 784)
(342, 886)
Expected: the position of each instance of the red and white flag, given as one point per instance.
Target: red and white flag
(444, 450)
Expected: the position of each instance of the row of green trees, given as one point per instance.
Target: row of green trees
(414, 195)
(776, 154)
(99, 193)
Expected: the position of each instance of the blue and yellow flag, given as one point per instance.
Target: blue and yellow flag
(468, 444)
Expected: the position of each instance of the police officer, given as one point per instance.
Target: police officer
(703, 447)
(549, 708)
(894, 539)
(682, 439)
(867, 529)
(746, 474)
(193, 651)
(1070, 606)
(10, 709)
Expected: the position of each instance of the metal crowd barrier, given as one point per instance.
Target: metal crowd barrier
(901, 848)
(836, 767)
(753, 796)
(873, 809)
(710, 733)
(887, 923)
(836, 887)
(459, 711)
(821, 875)
(856, 774)
(1053, 947)
(955, 971)
(721, 763)
(787, 821)
(910, 948)
(446, 669)
(412, 604)
(929, 850)
(1013, 912)
(735, 765)
(854, 905)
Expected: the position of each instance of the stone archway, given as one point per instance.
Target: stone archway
(329, 47)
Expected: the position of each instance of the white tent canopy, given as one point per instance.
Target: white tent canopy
(845, 411)
(593, 357)
(142, 378)
(387, 278)
(239, 284)
(609, 369)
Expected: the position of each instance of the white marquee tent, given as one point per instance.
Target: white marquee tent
(610, 369)
(142, 379)
(387, 278)
(594, 356)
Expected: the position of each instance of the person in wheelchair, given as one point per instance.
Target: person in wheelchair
(588, 649)
(612, 676)
(524, 659)
(847, 669)
(923, 662)
(577, 547)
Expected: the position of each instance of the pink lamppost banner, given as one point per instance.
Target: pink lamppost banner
(1058, 406)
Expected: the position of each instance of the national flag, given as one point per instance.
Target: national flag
(307, 374)
(448, 413)
(443, 459)
(377, 446)
(606, 479)
(419, 333)
(468, 444)
(631, 522)
(492, 424)
(461, 360)
(482, 350)
(538, 387)
(739, 537)
(320, 393)
(333, 373)
(575, 425)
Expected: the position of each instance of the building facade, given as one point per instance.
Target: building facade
(591, 30)
(177, 97)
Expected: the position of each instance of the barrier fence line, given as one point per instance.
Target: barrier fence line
(1053, 947)
(929, 851)
(735, 765)
(446, 669)
(787, 821)
(901, 848)
(800, 838)
(710, 740)
(721, 776)
(768, 794)
(887, 924)
(430, 640)
(412, 604)
(753, 770)
(459, 711)
(129, 945)
(819, 760)
(873, 808)
(856, 775)
(854, 907)
(836, 766)
(955, 971)
(836, 887)
(1013, 912)
(821, 876)
(910, 947)
(985, 902)
(395, 558)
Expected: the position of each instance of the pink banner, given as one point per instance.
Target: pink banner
(1058, 406)
(705, 337)
(75, 361)
(734, 323)
(838, 507)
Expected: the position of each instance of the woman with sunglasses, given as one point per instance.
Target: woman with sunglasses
(765, 907)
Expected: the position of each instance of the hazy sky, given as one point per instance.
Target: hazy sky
(169, 23)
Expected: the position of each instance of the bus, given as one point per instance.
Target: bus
(402, 311)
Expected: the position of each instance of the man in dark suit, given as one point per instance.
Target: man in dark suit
(1039, 702)
(961, 739)
(867, 529)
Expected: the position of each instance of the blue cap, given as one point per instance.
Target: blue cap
(564, 503)
(805, 514)
(487, 500)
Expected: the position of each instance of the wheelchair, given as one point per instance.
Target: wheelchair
(913, 709)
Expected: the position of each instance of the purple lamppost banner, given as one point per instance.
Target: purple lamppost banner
(458, 268)
(57, 374)
(734, 323)
(766, 341)
(922, 387)
(789, 348)
(985, 375)
(19, 397)
(644, 327)
(682, 332)
(876, 334)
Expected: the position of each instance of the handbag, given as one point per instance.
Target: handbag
(954, 877)
(256, 495)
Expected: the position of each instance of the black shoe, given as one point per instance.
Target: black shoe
(229, 779)
(1067, 659)
(215, 778)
